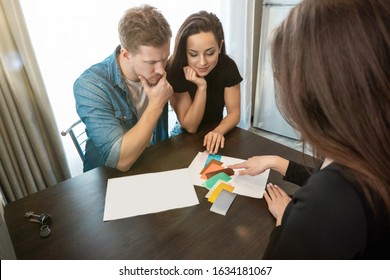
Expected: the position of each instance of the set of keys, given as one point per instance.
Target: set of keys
(42, 219)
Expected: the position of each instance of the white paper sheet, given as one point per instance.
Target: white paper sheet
(148, 193)
(252, 186)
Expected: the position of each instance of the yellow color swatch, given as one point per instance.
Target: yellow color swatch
(218, 189)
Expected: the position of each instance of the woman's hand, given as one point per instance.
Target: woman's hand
(253, 166)
(213, 141)
(258, 164)
(277, 200)
(193, 77)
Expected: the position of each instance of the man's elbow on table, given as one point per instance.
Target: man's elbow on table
(123, 166)
(125, 163)
(192, 130)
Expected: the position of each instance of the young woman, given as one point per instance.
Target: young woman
(331, 61)
(204, 79)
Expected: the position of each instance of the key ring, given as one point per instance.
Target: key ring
(45, 231)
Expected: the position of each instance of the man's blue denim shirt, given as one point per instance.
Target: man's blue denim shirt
(104, 104)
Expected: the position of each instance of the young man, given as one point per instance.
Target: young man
(123, 99)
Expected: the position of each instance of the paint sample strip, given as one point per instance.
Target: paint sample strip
(223, 202)
(213, 157)
(212, 167)
(227, 171)
(222, 186)
(211, 182)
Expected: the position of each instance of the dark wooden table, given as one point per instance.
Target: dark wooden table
(77, 206)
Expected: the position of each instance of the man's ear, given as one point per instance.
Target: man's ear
(125, 54)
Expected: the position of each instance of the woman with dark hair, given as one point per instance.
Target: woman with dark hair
(331, 60)
(204, 79)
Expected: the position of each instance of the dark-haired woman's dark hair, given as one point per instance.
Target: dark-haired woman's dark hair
(196, 23)
(331, 60)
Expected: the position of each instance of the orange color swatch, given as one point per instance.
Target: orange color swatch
(211, 167)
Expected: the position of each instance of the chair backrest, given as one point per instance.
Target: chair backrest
(78, 135)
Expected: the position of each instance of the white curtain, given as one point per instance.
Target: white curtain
(31, 154)
(241, 20)
(7, 250)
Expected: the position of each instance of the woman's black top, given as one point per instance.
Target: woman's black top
(328, 218)
(224, 74)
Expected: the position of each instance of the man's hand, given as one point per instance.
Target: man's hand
(159, 94)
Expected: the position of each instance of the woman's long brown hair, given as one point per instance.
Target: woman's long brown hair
(331, 60)
(196, 23)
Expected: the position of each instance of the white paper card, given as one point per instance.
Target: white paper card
(252, 186)
(148, 193)
(223, 202)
